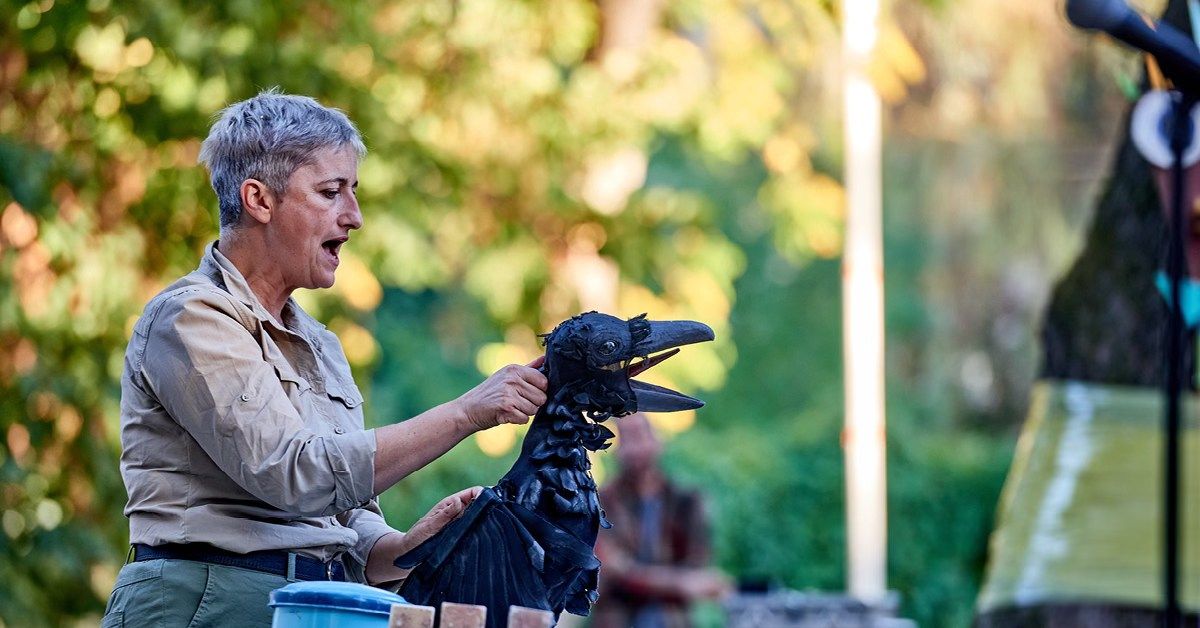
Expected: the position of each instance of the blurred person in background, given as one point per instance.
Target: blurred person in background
(244, 452)
(655, 558)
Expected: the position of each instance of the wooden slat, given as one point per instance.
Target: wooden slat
(522, 617)
(462, 615)
(409, 616)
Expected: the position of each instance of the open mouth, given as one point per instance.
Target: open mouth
(645, 363)
(333, 247)
(636, 366)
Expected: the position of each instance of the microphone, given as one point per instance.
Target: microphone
(1177, 55)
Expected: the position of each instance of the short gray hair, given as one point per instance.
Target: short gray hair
(267, 138)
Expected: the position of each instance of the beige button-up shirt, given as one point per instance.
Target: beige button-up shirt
(242, 433)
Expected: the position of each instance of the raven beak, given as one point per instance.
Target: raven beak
(669, 334)
(665, 335)
(651, 398)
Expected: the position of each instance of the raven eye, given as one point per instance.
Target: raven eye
(608, 347)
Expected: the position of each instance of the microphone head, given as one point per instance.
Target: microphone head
(1097, 14)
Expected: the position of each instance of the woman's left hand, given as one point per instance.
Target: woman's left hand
(441, 514)
(380, 567)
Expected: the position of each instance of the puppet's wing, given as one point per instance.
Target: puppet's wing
(500, 554)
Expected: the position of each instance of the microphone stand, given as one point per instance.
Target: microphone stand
(1181, 135)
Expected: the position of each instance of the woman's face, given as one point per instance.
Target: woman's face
(314, 218)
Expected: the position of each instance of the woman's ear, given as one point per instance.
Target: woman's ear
(257, 200)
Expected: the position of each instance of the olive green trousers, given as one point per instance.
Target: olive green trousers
(183, 593)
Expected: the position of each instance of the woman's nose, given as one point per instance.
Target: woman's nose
(352, 215)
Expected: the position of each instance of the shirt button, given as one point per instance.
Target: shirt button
(338, 430)
(245, 397)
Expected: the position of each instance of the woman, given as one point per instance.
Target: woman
(243, 448)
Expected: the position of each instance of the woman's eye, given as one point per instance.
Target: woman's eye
(329, 193)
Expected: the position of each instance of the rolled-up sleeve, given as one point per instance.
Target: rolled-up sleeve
(368, 522)
(208, 372)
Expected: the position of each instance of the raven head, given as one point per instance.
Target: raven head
(593, 356)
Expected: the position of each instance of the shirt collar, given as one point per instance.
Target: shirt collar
(216, 265)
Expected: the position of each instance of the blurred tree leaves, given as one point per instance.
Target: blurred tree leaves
(505, 148)
(525, 164)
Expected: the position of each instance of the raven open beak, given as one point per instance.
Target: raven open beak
(665, 335)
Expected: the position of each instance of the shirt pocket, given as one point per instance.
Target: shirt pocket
(292, 382)
(346, 393)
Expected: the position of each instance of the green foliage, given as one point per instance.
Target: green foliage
(515, 148)
(508, 148)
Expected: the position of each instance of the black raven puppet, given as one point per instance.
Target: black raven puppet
(529, 541)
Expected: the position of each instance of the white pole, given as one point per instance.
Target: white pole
(862, 311)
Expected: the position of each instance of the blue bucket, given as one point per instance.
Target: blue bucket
(320, 604)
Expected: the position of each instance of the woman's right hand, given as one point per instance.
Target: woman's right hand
(510, 395)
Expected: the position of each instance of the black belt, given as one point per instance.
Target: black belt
(272, 562)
